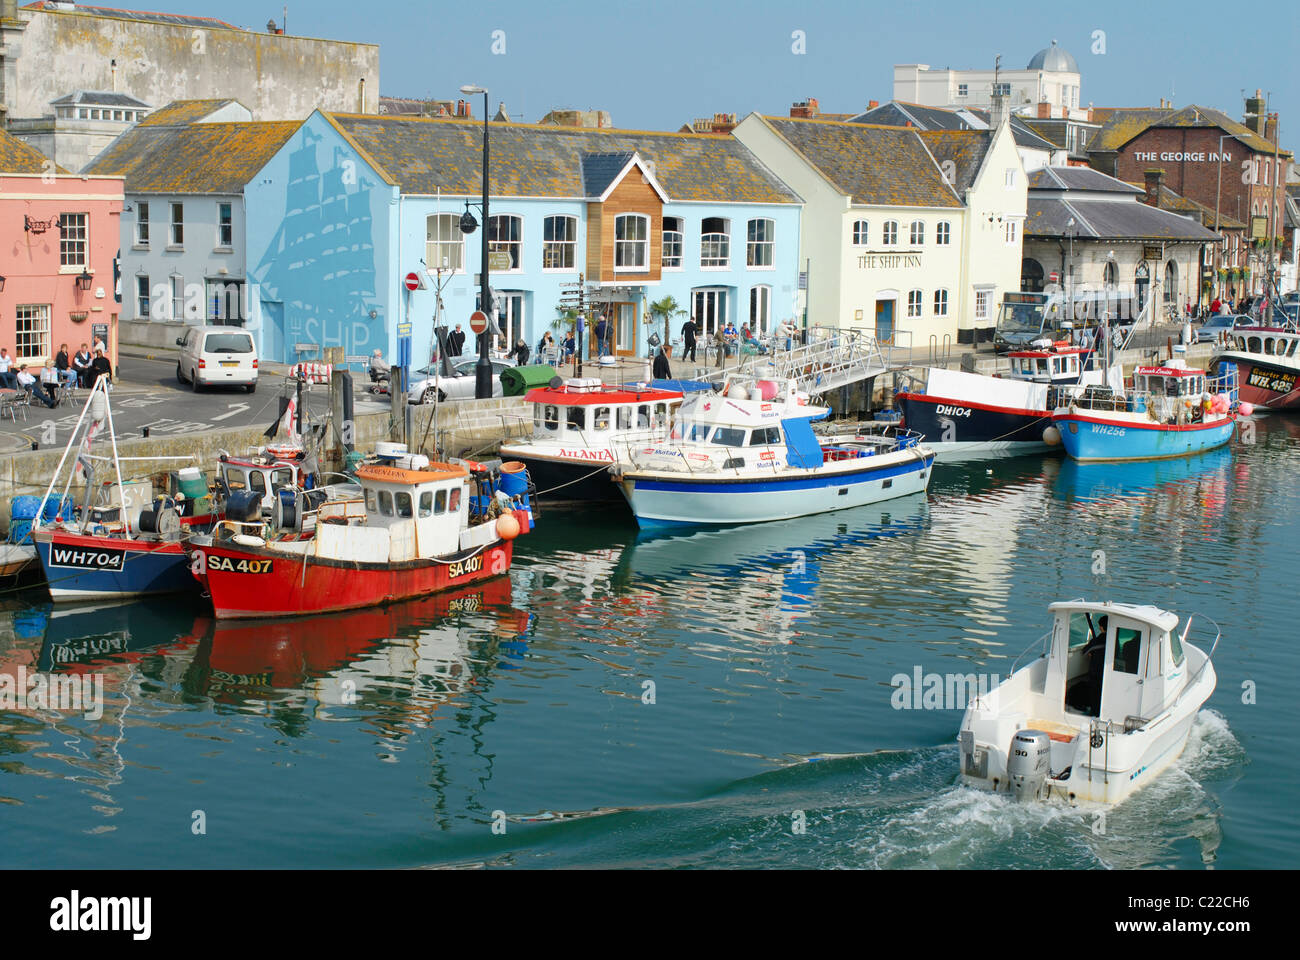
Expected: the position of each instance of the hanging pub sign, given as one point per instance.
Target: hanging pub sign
(1258, 227)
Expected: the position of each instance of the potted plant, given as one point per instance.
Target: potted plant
(666, 309)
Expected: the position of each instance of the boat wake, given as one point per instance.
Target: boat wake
(894, 810)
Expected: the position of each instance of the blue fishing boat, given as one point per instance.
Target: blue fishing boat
(749, 454)
(1170, 411)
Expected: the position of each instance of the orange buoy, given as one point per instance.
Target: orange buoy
(507, 526)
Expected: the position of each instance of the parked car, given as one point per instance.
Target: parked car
(1219, 324)
(217, 356)
(427, 384)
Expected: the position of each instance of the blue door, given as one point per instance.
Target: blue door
(885, 321)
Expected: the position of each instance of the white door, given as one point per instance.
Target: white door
(710, 310)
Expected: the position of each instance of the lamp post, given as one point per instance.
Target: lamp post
(483, 370)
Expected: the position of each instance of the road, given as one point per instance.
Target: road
(147, 394)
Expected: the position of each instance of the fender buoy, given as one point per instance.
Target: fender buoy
(507, 526)
(1246, 409)
(1052, 436)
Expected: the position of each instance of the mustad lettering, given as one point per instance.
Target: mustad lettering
(953, 411)
(84, 559)
(75, 913)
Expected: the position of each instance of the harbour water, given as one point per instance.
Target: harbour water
(720, 699)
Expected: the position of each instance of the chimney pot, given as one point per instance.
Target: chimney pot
(1152, 178)
(872, 104)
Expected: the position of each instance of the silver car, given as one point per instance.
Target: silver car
(428, 384)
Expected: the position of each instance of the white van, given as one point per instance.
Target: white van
(212, 356)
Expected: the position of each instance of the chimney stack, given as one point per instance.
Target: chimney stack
(1153, 178)
(1044, 110)
(804, 109)
(1254, 118)
(1270, 128)
(872, 104)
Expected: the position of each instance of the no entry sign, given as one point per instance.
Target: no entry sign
(478, 321)
(413, 281)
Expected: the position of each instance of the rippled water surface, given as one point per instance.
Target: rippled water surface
(673, 701)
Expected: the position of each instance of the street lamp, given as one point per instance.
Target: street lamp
(84, 281)
(483, 369)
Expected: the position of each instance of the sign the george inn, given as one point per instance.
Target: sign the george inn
(888, 261)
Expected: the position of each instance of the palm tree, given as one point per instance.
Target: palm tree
(666, 309)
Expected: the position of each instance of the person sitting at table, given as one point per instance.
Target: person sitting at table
(81, 363)
(50, 382)
(730, 337)
(63, 364)
(7, 378)
(27, 383)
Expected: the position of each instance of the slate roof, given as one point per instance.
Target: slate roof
(899, 113)
(174, 19)
(19, 157)
(197, 159)
(1109, 220)
(425, 154)
(99, 98)
(966, 150)
(1078, 178)
(1169, 200)
(180, 112)
(887, 166)
(600, 169)
(1120, 125)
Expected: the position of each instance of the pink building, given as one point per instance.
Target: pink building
(58, 239)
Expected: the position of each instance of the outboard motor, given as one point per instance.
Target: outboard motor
(1028, 763)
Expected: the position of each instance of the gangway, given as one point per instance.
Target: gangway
(840, 358)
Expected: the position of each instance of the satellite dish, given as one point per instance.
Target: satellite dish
(556, 382)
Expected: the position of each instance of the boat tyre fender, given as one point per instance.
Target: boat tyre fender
(247, 540)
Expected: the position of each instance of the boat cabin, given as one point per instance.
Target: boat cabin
(586, 411)
(1114, 662)
(1049, 363)
(265, 473)
(413, 509)
(1268, 342)
(1172, 380)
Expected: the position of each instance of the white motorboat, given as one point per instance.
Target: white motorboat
(1100, 713)
(749, 454)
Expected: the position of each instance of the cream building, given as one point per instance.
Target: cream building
(913, 234)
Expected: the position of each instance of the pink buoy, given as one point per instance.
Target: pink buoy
(767, 388)
(1246, 409)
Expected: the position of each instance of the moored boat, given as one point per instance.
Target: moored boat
(419, 528)
(1105, 707)
(575, 427)
(1267, 365)
(1170, 411)
(956, 410)
(749, 454)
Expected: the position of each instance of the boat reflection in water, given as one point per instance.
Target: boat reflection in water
(772, 570)
(90, 637)
(397, 663)
(1204, 476)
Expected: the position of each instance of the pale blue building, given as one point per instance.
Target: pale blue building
(353, 204)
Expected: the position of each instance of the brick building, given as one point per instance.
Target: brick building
(1209, 158)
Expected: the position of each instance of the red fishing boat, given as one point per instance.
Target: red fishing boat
(1268, 365)
(418, 528)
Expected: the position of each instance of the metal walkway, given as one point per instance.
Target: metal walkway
(842, 358)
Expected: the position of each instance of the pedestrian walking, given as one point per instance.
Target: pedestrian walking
(689, 331)
(456, 341)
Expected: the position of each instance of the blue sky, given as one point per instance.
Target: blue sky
(656, 64)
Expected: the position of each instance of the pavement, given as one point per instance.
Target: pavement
(146, 394)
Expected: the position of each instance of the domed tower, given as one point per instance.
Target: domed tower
(1053, 59)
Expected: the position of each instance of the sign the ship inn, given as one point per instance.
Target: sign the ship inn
(887, 261)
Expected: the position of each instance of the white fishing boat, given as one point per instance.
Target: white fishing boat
(749, 454)
(576, 424)
(1104, 708)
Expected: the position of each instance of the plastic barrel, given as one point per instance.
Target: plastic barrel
(24, 508)
(514, 479)
(20, 531)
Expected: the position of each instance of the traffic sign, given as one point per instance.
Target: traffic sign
(478, 321)
(413, 281)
